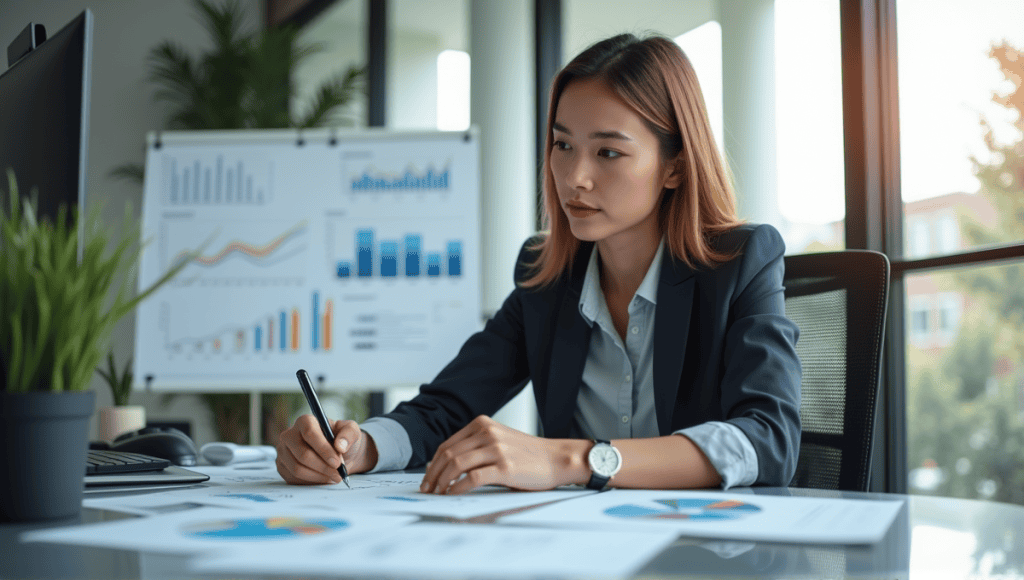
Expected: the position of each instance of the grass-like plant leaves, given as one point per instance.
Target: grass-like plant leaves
(58, 309)
(120, 383)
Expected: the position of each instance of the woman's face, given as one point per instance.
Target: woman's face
(606, 166)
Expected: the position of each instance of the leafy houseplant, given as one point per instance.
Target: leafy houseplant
(57, 316)
(122, 417)
(243, 82)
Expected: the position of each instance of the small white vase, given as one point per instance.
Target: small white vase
(117, 420)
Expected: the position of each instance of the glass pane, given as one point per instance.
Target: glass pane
(803, 193)
(965, 382)
(809, 125)
(340, 33)
(427, 65)
(961, 106)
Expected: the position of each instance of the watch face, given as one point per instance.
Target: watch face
(604, 460)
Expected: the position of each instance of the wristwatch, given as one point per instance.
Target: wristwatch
(604, 461)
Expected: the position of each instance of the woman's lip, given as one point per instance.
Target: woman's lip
(580, 211)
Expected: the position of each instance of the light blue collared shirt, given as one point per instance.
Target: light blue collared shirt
(616, 398)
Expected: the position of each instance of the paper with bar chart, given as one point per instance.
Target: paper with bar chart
(353, 255)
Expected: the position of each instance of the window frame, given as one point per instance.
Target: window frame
(874, 210)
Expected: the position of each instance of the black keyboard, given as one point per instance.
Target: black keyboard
(100, 462)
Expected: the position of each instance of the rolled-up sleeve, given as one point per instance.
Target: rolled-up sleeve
(392, 441)
(728, 450)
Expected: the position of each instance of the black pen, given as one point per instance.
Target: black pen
(318, 412)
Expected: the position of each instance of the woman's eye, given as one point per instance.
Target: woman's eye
(609, 154)
(561, 145)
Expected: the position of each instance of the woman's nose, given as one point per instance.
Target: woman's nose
(580, 175)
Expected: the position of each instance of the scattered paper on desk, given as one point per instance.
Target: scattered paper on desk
(239, 473)
(375, 493)
(212, 529)
(455, 550)
(724, 515)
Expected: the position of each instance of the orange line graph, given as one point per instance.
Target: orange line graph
(243, 248)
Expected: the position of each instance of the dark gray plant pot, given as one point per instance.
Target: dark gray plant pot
(43, 443)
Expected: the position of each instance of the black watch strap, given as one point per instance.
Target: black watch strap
(598, 482)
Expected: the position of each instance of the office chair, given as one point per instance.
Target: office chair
(838, 299)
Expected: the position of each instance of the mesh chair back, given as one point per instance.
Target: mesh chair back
(838, 299)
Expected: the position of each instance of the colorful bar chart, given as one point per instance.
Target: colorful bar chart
(381, 258)
(321, 325)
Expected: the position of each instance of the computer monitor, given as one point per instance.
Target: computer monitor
(44, 118)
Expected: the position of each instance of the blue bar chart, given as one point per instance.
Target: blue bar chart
(217, 181)
(336, 251)
(373, 180)
(380, 258)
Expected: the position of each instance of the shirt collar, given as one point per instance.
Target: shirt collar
(592, 299)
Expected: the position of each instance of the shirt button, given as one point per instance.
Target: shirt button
(635, 330)
(629, 378)
(625, 418)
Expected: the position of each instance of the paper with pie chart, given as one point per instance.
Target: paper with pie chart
(211, 529)
(734, 516)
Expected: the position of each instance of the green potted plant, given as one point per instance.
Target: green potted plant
(244, 81)
(121, 417)
(61, 299)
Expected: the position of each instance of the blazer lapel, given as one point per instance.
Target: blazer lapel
(570, 344)
(671, 328)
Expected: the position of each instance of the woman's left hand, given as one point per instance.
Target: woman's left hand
(486, 452)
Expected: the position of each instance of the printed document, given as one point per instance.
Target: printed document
(370, 493)
(455, 551)
(207, 529)
(723, 515)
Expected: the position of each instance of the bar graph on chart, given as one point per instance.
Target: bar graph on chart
(276, 331)
(355, 255)
(237, 253)
(234, 180)
(412, 178)
(393, 252)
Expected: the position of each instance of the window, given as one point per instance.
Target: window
(919, 240)
(960, 135)
(920, 314)
(809, 125)
(947, 234)
(340, 31)
(453, 90)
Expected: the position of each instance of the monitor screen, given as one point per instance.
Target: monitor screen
(44, 114)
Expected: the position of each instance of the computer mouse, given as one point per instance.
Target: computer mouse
(163, 442)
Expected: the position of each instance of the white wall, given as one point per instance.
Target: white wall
(122, 111)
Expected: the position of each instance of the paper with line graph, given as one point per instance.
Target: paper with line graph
(358, 260)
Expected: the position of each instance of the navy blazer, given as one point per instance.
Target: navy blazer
(723, 351)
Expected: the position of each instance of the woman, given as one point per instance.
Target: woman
(650, 319)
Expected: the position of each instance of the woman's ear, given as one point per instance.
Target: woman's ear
(674, 173)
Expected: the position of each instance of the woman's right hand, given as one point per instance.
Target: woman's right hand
(304, 456)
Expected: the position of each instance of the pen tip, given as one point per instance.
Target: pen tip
(347, 483)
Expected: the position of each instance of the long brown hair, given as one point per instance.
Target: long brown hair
(655, 78)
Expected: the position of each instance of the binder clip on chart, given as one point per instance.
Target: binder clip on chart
(221, 453)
